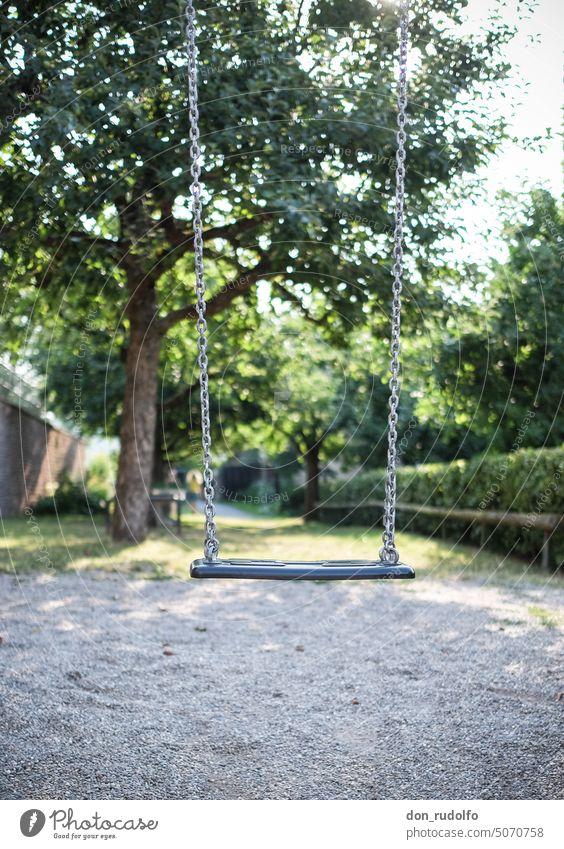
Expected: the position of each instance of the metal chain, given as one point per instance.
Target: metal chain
(388, 552)
(211, 544)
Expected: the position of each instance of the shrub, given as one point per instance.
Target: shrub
(264, 497)
(100, 476)
(70, 497)
(293, 503)
(526, 481)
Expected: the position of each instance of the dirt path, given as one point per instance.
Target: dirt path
(115, 688)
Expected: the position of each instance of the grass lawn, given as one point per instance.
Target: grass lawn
(46, 543)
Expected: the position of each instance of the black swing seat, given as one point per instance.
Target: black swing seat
(301, 570)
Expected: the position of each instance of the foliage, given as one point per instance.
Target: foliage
(502, 364)
(294, 504)
(264, 498)
(298, 122)
(525, 481)
(293, 379)
(95, 149)
(70, 497)
(100, 476)
(287, 391)
(88, 496)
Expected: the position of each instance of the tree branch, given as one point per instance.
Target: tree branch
(179, 397)
(298, 18)
(293, 299)
(220, 300)
(78, 236)
(117, 248)
(181, 241)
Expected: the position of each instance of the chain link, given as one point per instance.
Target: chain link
(211, 544)
(388, 552)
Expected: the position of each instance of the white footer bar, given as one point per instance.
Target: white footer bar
(283, 824)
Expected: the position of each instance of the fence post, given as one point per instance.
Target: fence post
(178, 516)
(547, 560)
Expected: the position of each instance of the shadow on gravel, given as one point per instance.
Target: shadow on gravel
(137, 689)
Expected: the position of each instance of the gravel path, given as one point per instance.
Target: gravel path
(115, 688)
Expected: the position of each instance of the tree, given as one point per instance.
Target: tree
(297, 131)
(290, 392)
(502, 370)
(285, 389)
(91, 401)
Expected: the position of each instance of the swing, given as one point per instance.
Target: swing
(388, 565)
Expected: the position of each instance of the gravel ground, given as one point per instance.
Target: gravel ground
(120, 688)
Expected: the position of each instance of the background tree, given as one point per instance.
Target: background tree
(285, 391)
(504, 357)
(298, 119)
(91, 401)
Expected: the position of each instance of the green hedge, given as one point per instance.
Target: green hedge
(525, 481)
(70, 498)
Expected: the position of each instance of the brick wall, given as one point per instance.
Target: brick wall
(33, 456)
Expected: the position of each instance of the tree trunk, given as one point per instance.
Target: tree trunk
(158, 477)
(311, 502)
(138, 421)
(161, 468)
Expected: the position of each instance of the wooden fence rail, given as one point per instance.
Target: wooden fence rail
(548, 523)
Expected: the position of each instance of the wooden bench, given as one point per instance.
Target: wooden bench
(173, 497)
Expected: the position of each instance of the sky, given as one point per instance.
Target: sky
(534, 96)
